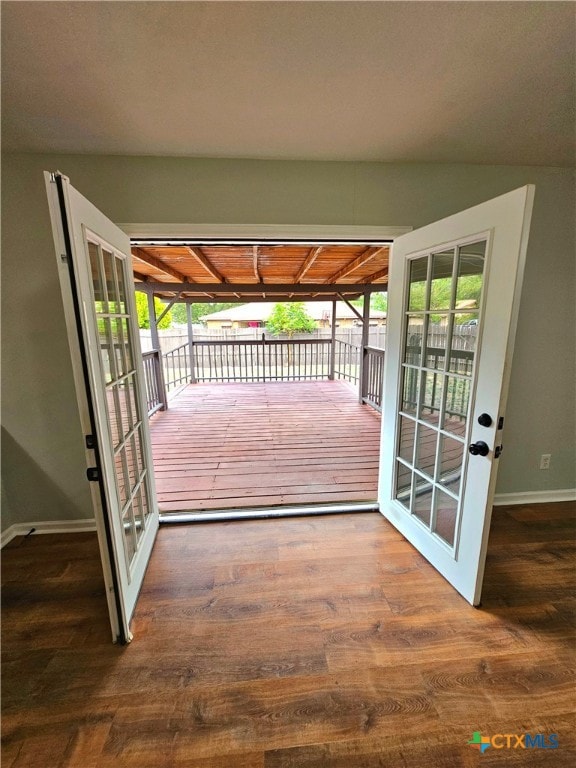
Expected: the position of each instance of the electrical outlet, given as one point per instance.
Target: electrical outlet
(545, 460)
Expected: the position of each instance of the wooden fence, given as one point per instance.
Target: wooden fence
(171, 338)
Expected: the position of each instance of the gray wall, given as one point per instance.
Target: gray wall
(7, 518)
(42, 448)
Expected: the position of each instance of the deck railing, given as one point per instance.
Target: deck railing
(458, 386)
(177, 369)
(373, 378)
(156, 399)
(263, 360)
(347, 361)
(307, 360)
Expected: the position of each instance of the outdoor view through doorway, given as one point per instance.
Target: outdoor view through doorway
(444, 410)
(263, 399)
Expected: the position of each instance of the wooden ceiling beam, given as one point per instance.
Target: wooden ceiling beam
(167, 308)
(377, 275)
(357, 262)
(257, 274)
(139, 276)
(152, 261)
(281, 290)
(197, 254)
(352, 307)
(269, 298)
(308, 261)
(184, 298)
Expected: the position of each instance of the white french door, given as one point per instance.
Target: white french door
(454, 289)
(98, 291)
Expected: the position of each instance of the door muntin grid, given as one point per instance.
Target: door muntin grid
(120, 379)
(441, 324)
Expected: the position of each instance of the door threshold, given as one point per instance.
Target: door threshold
(255, 513)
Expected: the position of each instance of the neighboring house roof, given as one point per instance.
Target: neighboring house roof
(260, 311)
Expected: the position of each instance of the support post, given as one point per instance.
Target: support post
(191, 343)
(333, 344)
(363, 373)
(153, 323)
(156, 345)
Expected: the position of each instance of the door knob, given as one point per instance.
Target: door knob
(479, 448)
(485, 420)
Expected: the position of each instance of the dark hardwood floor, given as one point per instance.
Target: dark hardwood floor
(305, 642)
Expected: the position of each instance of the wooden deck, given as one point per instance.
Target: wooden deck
(222, 446)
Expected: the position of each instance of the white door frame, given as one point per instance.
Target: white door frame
(267, 234)
(264, 232)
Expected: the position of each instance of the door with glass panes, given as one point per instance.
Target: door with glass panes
(95, 268)
(454, 289)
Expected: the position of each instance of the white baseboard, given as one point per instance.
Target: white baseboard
(535, 497)
(47, 526)
(89, 524)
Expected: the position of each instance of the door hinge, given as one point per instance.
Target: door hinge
(93, 474)
(91, 442)
(498, 451)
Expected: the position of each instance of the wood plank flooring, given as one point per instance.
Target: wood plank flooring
(264, 444)
(297, 643)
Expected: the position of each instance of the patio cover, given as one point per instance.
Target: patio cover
(190, 272)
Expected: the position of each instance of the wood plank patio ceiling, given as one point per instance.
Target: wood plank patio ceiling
(281, 271)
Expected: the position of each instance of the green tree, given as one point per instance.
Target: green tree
(469, 289)
(142, 311)
(290, 318)
(379, 301)
(179, 313)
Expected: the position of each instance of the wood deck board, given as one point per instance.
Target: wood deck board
(243, 445)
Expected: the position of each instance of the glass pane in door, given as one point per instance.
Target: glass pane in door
(121, 284)
(407, 432)
(422, 499)
(445, 513)
(426, 449)
(119, 377)
(442, 311)
(436, 340)
(431, 401)
(456, 401)
(469, 284)
(403, 484)
(463, 343)
(413, 348)
(451, 457)
(441, 280)
(107, 279)
(418, 282)
(410, 389)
